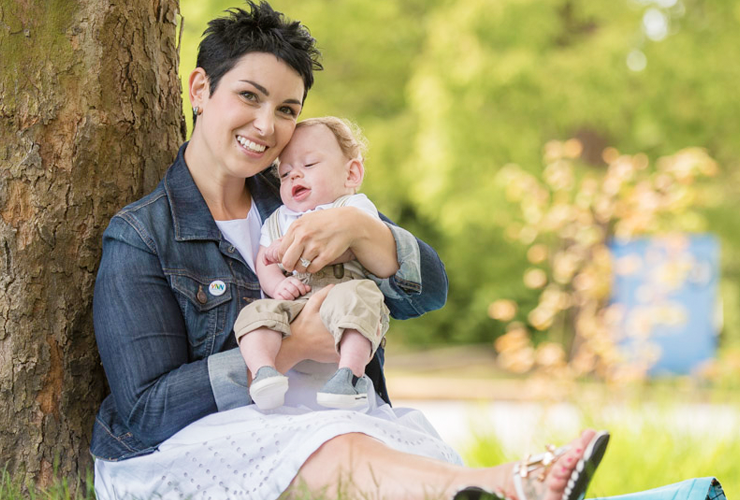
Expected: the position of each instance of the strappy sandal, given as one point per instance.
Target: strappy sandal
(533, 470)
(585, 469)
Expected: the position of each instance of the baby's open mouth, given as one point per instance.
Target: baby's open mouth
(299, 191)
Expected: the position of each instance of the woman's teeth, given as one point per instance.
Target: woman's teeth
(252, 146)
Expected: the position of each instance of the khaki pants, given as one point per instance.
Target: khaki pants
(353, 303)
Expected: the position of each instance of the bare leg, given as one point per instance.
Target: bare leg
(260, 347)
(354, 352)
(356, 465)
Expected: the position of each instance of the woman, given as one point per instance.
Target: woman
(178, 422)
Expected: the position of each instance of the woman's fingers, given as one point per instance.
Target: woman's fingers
(291, 253)
(319, 238)
(297, 253)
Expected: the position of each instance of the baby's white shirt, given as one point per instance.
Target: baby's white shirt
(287, 216)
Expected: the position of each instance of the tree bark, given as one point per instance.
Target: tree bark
(90, 117)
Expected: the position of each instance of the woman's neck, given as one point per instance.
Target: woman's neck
(227, 197)
(225, 205)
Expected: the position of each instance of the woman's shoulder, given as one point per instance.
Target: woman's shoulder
(175, 188)
(155, 211)
(142, 219)
(151, 206)
(144, 203)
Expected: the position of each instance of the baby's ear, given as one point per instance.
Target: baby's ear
(355, 173)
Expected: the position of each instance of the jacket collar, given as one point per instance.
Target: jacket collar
(190, 215)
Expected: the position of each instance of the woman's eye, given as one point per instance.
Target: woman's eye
(249, 96)
(288, 111)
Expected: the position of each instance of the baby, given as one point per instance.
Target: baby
(320, 169)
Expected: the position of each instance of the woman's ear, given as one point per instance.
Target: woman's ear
(355, 173)
(198, 88)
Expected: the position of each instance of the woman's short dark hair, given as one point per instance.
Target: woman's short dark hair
(262, 29)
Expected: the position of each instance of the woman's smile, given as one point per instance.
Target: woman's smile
(250, 146)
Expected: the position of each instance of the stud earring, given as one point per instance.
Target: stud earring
(196, 110)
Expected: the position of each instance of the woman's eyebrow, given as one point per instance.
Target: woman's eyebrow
(267, 93)
(257, 86)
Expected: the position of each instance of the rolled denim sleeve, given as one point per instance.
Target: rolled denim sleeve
(228, 375)
(408, 276)
(420, 285)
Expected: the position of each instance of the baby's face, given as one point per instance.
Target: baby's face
(313, 170)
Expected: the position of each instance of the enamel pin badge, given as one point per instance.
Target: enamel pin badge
(217, 288)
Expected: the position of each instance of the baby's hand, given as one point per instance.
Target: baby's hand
(290, 288)
(272, 253)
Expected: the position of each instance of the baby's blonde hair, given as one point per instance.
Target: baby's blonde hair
(351, 140)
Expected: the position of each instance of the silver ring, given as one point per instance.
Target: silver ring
(305, 262)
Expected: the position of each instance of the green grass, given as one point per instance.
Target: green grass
(62, 489)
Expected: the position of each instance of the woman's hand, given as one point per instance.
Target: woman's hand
(309, 338)
(324, 236)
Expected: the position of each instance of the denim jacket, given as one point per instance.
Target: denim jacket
(165, 335)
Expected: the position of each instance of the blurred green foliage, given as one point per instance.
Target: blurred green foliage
(448, 92)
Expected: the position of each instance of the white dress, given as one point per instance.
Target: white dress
(246, 453)
(251, 454)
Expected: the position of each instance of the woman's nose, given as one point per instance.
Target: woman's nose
(264, 122)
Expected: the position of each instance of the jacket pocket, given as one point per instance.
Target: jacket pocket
(205, 304)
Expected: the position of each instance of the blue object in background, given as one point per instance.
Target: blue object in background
(666, 291)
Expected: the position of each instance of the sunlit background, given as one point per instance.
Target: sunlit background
(575, 163)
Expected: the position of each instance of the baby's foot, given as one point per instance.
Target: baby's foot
(343, 390)
(268, 388)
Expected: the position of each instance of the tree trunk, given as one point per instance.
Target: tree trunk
(90, 117)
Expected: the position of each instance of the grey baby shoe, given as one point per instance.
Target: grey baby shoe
(268, 388)
(343, 390)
